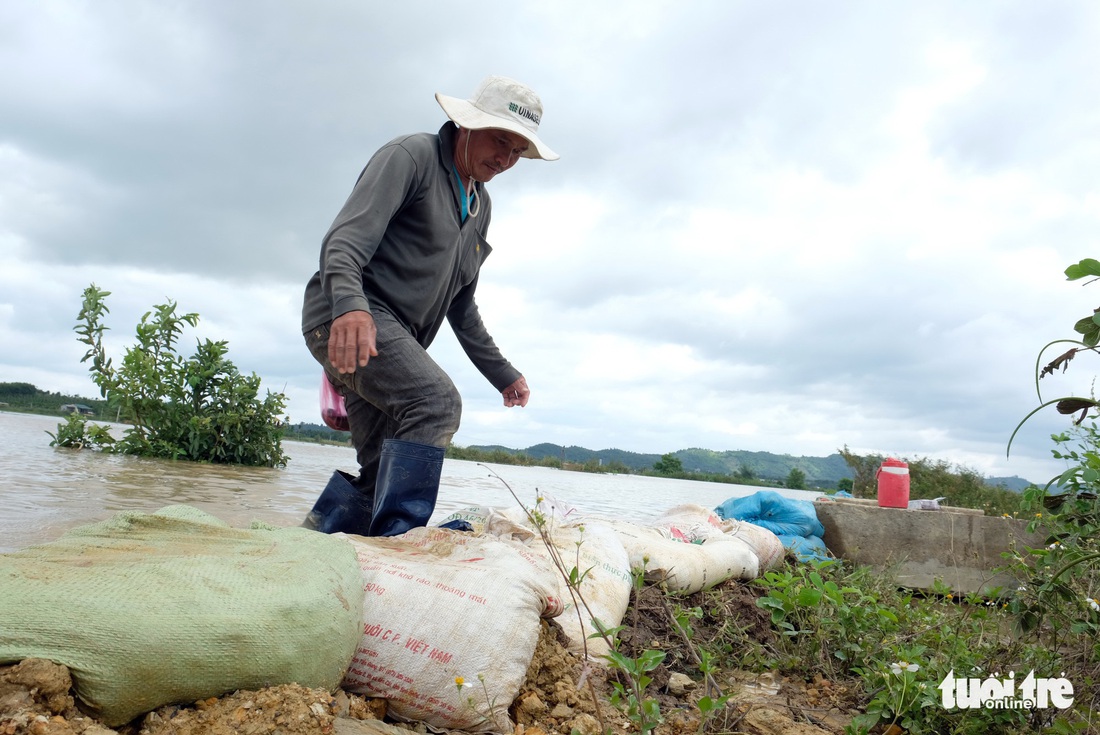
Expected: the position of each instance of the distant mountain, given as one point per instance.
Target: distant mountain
(1015, 484)
(820, 472)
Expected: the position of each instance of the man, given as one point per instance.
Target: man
(404, 254)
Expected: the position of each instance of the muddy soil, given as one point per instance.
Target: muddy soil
(561, 693)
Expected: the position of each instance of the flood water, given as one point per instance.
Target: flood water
(46, 490)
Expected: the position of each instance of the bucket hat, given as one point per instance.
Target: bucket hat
(501, 103)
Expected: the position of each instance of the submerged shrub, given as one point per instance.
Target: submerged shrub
(199, 408)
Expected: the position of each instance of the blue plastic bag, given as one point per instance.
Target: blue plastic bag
(793, 521)
(768, 509)
(806, 548)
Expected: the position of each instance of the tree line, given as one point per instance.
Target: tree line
(27, 398)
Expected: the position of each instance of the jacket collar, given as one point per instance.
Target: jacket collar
(447, 135)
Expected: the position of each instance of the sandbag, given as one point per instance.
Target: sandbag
(500, 522)
(590, 547)
(443, 605)
(693, 523)
(767, 546)
(688, 548)
(597, 553)
(686, 567)
(175, 606)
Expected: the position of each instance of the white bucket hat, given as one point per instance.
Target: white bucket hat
(504, 104)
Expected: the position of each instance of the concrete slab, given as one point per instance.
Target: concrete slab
(959, 546)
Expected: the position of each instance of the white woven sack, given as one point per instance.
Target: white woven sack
(686, 567)
(590, 547)
(487, 520)
(441, 606)
(769, 549)
(596, 552)
(692, 523)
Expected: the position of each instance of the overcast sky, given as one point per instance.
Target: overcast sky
(780, 226)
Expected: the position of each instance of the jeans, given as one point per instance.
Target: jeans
(401, 394)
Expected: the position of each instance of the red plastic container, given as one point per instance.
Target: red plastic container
(893, 484)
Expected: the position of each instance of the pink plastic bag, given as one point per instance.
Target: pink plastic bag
(333, 411)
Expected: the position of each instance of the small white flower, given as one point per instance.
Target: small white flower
(461, 683)
(1055, 545)
(902, 666)
(1093, 603)
(1021, 588)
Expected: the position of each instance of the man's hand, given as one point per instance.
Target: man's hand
(517, 393)
(351, 341)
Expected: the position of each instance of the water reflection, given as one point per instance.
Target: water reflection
(45, 491)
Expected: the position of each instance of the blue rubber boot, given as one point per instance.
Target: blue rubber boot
(342, 507)
(408, 484)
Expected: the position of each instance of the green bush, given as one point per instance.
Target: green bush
(796, 479)
(668, 465)
(199, 408)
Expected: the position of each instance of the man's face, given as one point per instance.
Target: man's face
(482, 154)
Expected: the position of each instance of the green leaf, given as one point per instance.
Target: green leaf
(619, 661)
(865, 721)
(809, 597)
(650, 659)
(1084, 268)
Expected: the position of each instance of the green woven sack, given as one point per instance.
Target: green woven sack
(176, 606)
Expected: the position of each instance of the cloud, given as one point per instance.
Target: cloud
(786, 227)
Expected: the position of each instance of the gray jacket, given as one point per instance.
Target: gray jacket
(398, 245)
